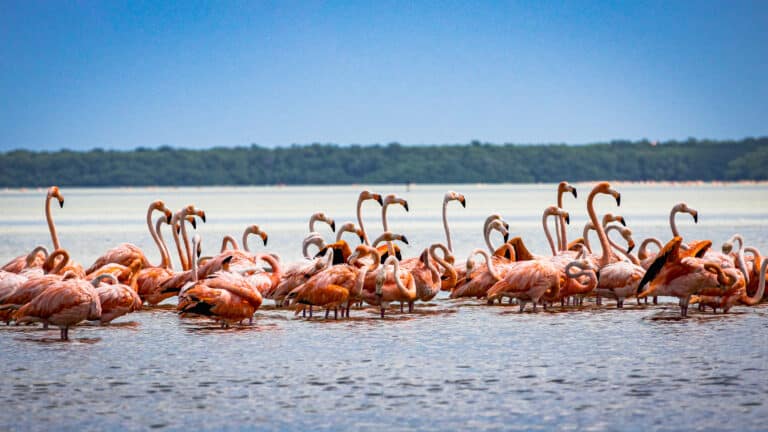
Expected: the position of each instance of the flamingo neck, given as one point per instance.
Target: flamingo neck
(489, 264)
(360, 221)
(152, 232)
(431, 267)
(445, 226)
(165, 255)
(229, 240)
(51, 225)
(740, 257)
(585, 235)
(560, 223)
(547, 233)
(672, 224)
(606, 257)
(449, 269)
(642, 253)
(175, 223)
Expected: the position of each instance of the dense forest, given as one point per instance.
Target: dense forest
(745, 159)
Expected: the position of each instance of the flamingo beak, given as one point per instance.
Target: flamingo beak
(61, 203)
(695, 217)
(463, 201)
(333, 225)
(404, 239)
(194, 224)
(630, 247)
(405, 204)
(618, 199)
(202, 216)
(168, 216)
(506, 237)
(567, 219)
(264, 238)
(573, 191)
(362, 239)
(377, 197)
(622, 221)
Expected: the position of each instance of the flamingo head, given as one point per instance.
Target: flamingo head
(455, 196)
(256, 230)
(605, 188)
(564, 187)
(160, 205)
(53, 192)
(368, 195)
(394, 199)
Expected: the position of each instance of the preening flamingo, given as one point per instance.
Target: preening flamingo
(117, 299)
(399, 287)
(336, 286)
(225, 296)
(65, 304)
(34, 259)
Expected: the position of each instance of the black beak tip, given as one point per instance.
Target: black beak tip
(463, 203)
(61, 204)
(405, 240)
(629, 250)
(168, 219)
(203, 217)
(506, 225)
(194, 224)
(265, 240)
(696, 218)
(406, 206)
(623, 221)
(618, 200)
(568, 219)
(506, 237)
(333, 226)
(362, 239)
(380, 201)
(575, 195)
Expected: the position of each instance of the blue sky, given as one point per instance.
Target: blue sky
(193, 74)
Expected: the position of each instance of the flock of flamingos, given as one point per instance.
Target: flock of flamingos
(53, 289)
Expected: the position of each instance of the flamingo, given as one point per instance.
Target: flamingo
(528, 281)
(365, 196)
(64, 304)
(737, 292)
(116, 299)
(680, 273)
(34, 259)
(448, 197)
(341, 249)
(337, 285)
(402, 288)
(681, 207)
(474, 285)
(560, 230)
(41, 253)
(389, 249)
(225, 296)
(125, 253)
(297, 273)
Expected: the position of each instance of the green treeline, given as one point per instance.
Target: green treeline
(745, 159)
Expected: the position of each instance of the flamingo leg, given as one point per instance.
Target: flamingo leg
(310, 311)
(382, 312)
(336, 313)
(410, 307)
(401, 307)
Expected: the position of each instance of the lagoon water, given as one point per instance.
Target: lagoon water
(449, 365)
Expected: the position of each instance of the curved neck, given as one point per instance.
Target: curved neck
(619, 249)
(642, 253)
(755, 299)
(740, 257)
(229, 240)
(430, 266)
(449, 269)
(360, 221)
(152, 232)
(194, 262)
(445, 226)
(165, 255)
(606, 257)
(49, 263)
(275, 264)
(409, 291)
(51, 225)
(489, 264)
(311, 240)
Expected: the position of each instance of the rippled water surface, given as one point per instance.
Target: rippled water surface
(449, 365)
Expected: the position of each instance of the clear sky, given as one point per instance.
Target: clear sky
(116, 74)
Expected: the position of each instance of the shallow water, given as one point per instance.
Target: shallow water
(450, 365)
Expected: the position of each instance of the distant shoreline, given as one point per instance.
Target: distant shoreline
(640, 161)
